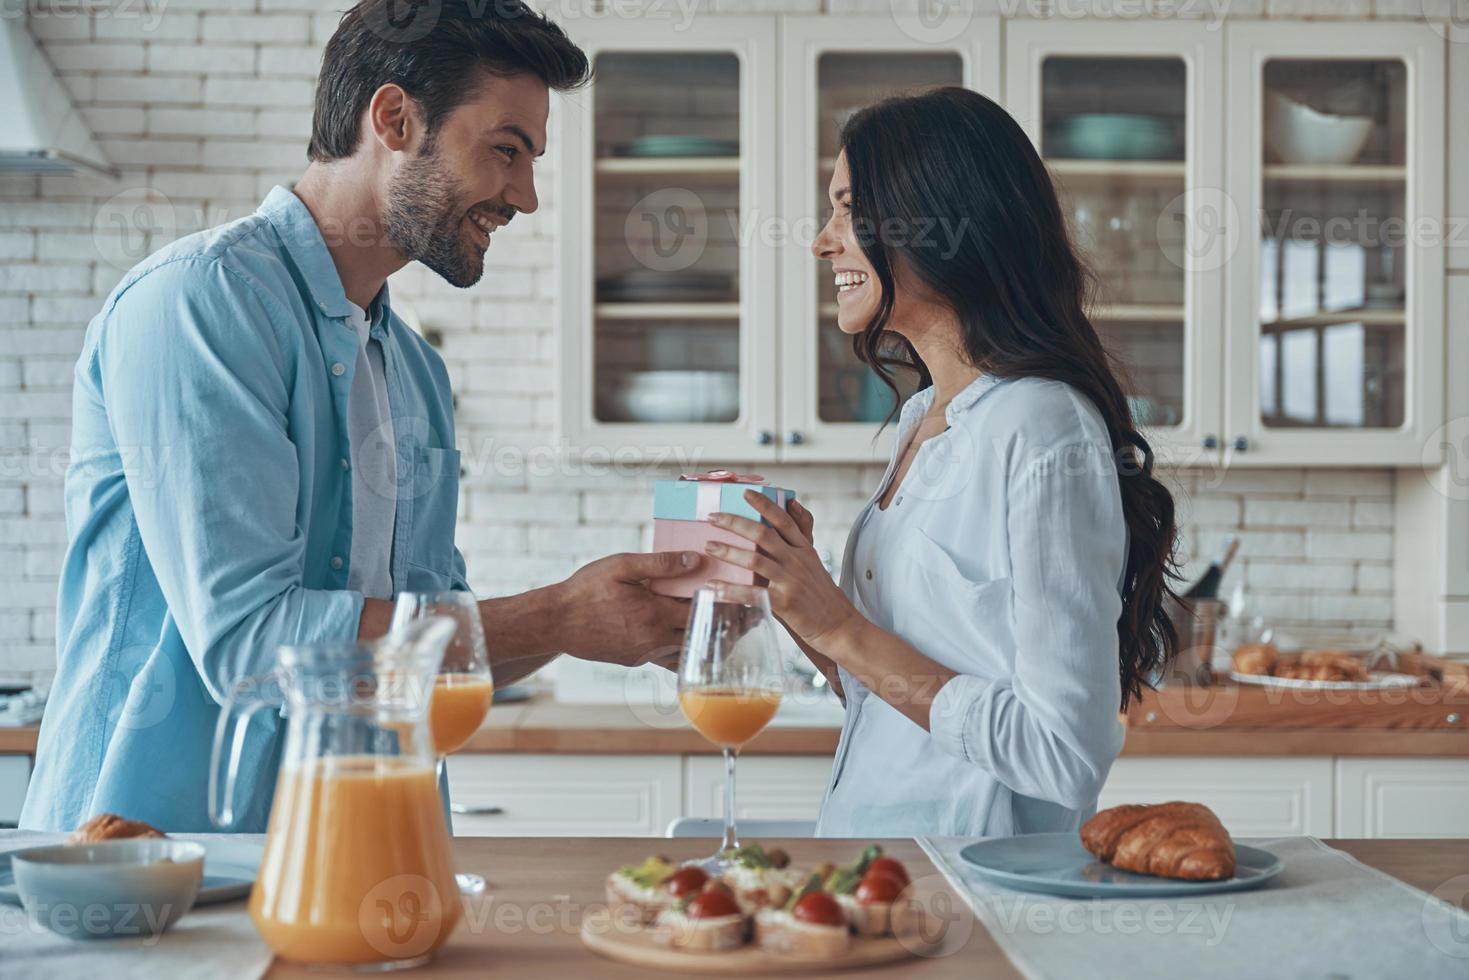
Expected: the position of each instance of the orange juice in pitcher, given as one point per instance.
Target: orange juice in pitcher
(357, 870)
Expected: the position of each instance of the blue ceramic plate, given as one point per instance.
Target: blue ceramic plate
(229, 871)
(1057, 864)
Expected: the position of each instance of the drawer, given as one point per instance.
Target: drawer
(15, 775)
(1402, 797)
(566, 795)
(1252, 797)
(766, 787)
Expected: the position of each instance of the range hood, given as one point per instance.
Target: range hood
(46, 133)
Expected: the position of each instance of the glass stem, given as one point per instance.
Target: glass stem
(730, 841)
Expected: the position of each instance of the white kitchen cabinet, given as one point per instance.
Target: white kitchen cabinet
(1334, 332)
(1402, 798)
(1135, 203)
(15, 776)
(668, 294)
(831, 404)
(566, 795)
(1252, 797)
(1456, 232)
(766, 787)
(1268, 311)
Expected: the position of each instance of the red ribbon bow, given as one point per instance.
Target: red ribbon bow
(724, 476)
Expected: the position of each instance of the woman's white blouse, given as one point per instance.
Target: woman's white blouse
(1001, 557)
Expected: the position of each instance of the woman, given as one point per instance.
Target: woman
(1001, 594)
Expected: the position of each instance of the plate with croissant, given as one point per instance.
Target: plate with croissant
(229, 866)
(1340, 670)
(1131, 851)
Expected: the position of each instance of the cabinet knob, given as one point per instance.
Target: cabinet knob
(1211, 441)
(765, 437)
(795, 437)
(1241, 444)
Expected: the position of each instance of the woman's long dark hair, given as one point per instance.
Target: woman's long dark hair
(948, 185)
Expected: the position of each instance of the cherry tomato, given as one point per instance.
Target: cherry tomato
(711, 905)
(878, 888)
(819, 908)
(890, 867)
(686, 881)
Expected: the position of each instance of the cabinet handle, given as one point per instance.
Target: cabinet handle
(795, 437)
(765, 437)
(1241, 444)
(1211, 441)
(465, 810)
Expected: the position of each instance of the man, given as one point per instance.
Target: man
(263, 453)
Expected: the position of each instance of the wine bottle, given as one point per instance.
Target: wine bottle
(1208, 586)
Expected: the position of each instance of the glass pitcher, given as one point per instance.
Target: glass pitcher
(357, 871)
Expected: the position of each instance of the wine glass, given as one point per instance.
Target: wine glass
(730, 681)
(464, 687)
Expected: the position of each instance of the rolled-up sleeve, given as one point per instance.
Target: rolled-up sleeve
(196, 387)
(1051, 730)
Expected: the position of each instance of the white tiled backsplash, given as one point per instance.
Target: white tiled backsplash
(205, 104)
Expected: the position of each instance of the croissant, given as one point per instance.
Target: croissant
(1171, 840)
(109, 826)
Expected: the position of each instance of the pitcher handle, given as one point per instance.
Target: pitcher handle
(245, 698)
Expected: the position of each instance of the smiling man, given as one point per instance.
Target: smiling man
(296, 439)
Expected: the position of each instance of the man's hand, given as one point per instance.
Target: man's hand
(606, 612)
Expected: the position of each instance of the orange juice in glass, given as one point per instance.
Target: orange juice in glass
(730, 679)
(464, 689)
(729, 717)
(459, 706)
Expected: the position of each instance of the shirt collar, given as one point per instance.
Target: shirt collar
(297, 229)
(919, 404)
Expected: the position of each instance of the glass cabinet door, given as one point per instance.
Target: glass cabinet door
(664, 299)
(834, 405)
(1122, 118)
(1334, 309)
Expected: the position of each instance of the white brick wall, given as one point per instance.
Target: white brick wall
(207, 103)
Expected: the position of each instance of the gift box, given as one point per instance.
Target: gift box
(681, 509)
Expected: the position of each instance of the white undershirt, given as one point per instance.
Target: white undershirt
(374, 467)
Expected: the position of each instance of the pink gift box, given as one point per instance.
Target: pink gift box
(692, 536)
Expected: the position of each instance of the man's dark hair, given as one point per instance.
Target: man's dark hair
(434, 49)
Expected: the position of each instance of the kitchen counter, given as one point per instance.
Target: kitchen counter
(538, 888)
(544, 725)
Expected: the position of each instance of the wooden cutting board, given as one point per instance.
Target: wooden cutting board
(603, 936)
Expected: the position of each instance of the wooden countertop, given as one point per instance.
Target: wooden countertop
(528, 921)
(544, 725)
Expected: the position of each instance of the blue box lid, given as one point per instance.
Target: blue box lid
(695, 500)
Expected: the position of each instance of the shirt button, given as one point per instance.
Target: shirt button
(339, 369)
(345, 464)
(869, 575)
(336, 563)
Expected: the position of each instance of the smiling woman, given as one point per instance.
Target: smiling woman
(1001, 593)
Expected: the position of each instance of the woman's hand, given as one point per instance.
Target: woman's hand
(802, 593)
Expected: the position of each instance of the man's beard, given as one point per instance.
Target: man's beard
(424, 220)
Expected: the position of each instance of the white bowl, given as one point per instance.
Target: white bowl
(136, 887)
(1297, 133)
(678, 396)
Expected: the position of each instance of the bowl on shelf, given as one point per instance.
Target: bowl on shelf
(1112, 136)
(1296, 133)
(677, 396)
(677, 146)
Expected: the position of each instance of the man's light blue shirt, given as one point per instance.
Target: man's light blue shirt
(209, 511)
